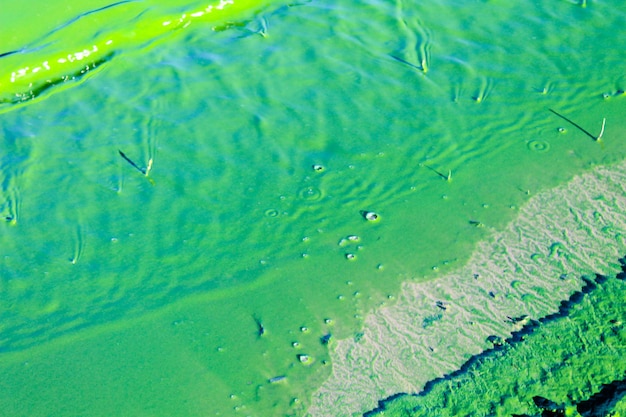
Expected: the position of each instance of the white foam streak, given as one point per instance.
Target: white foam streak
(526, 269)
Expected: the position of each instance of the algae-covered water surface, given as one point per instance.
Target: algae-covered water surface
(304, 208)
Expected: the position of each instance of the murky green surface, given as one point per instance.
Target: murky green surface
(265, 136)
(547, 368)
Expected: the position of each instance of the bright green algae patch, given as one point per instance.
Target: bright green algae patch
(91, 38)
(220, 282)
(570, 363)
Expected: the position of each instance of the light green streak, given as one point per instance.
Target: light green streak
(25, 76)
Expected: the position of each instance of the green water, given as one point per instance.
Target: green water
(265, 135)
(536, 372)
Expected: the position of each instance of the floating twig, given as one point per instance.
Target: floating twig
(277, 379)
(416, 37)
(486, 85)
(405, 62)
(424, 65)
(260, 328)
(78, 246)
(149, 167)
(575, 125)
(134, 165)
(442, 175)
(602, 130)
(264, 26)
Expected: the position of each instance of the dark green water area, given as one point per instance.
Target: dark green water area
(204, 208)
(569, 363)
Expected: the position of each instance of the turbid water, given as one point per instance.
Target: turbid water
(208, 220)
(567, 363)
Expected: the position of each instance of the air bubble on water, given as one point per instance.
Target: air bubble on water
(305, 359)
(310, 193)
(540, 146)
(370, 216)
(271, 213)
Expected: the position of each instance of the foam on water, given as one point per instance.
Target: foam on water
(527, 269)
(215, 266)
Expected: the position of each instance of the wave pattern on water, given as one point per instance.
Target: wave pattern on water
(44, 64)
(256, 152)
(524, 271)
